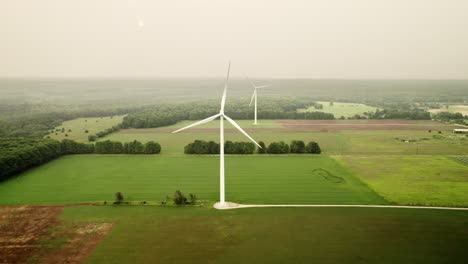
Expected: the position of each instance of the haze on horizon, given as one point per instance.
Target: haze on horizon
(421, 39)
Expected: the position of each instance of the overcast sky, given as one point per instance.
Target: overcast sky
(262, 38)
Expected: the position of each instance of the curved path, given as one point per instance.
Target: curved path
(229, 205)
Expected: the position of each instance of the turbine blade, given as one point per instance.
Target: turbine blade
(241, 130)
(253, 96)
(206, 120)
(223, 99)
(248, 79)
(263, 86)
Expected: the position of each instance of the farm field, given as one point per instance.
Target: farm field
(249, 179)
(417, 180)
(452, 108)
(80, 125)
(341, 109)
(334, 136)
(276, 235)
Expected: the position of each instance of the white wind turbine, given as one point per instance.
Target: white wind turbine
(221, 116)
(254, 96)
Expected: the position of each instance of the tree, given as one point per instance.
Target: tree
(193, 198)
(298, 146)
(92, 138)
(118, 198)
(152, 147)
(313, 147)
(263, 149)
(331, 103)
(179, 198)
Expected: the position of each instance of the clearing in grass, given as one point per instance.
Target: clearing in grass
(341, 109)
(79, 129)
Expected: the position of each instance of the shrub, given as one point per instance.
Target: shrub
(92, 138)
(313, 147)
(118, 198)
(193, 198)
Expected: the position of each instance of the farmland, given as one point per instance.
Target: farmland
(76, 129)
(339, 109)
(277, 179)
(276, 235)
(418, 180)
(342, 137)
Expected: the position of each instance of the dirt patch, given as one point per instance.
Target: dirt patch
(33, 234)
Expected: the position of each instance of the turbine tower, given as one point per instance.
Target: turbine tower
(221, 116)
(254, 96)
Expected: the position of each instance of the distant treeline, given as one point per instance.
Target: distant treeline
(18, 154)
(32, 124)
(268, 108)
(211, 147)
(104, 133)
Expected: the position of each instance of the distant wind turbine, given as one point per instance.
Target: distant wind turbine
(221, 116)
(254, 96)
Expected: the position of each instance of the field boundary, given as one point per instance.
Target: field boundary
(229, 205)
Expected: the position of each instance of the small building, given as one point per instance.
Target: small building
(460, 131)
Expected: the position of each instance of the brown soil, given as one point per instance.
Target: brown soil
(34, 234)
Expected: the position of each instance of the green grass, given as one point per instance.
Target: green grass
(424, 180)
(341, 109)
(277, 235)
(80, 125)
(249, 179)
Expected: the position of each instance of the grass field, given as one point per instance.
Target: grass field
(277, 235)
(341, 109)
(80, 125)
(363, 141)
(452, 108)
(249, 179)
(421, 180)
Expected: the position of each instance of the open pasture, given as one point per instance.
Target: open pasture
(339, 109)
(249, 179)
(334, 136)
(415, 180)
(79, 126)
(463, 109)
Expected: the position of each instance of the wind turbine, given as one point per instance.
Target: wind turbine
(221, 116)
(254, 96)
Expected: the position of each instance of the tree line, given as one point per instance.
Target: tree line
(211, 147)
(268, 108)
(18, 154)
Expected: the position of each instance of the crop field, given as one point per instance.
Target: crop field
(341, 109)
(249, 179)
(79, 126)
(276, 235)
(417, 180)
(334, 136)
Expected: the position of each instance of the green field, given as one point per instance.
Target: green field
(417, 180)
(277, 235)
(365, 142)
(341, 109)
(80, 125)
(249, 179)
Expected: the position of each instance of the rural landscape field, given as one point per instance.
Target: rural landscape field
(221, 132)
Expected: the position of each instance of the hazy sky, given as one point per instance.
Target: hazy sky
(262, 38)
